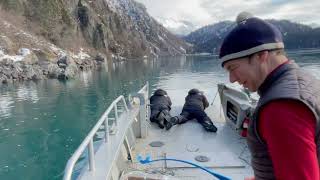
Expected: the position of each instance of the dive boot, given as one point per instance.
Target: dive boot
(209, 126)
(160, 123)
(160, 120)
(173, 121)
(168, 125)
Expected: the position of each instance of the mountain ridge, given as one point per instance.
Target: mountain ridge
(208, 39)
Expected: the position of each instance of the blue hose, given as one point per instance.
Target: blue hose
(148, 160)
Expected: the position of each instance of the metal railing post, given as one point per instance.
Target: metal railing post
(142, 117)
(91, 156)
(147, 102)
(143, 113)
(116, 113)
(106, 129)
(125, 104)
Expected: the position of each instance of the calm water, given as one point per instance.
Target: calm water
(42, 123)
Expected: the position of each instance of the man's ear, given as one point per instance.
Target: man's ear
(263, 56)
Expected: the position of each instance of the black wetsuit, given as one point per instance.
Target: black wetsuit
(160, 105)
(194, 106)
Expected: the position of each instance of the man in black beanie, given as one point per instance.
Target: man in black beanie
(193, 108)
(284, 132)
(160, 105)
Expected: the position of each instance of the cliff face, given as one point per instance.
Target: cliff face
(57, 38)
(119, 27)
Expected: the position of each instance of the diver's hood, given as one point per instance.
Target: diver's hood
(193, 91)
(160, 92)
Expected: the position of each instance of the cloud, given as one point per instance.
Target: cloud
(177, 9)
(203, 12)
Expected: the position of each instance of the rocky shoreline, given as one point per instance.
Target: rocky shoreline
(31, 68)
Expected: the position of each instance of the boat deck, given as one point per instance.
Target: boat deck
(227, 151)
(130, 134)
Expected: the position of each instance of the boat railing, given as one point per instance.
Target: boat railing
(103, 123)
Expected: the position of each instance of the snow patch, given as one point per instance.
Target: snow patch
(160, 38)
(57, 50)
(81, 55)
(183, 49)
(22, 53)
(6, 24)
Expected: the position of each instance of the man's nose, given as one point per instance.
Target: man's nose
(232, 78)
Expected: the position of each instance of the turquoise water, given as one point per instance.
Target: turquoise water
(42, 123)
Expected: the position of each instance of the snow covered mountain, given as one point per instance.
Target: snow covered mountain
(208, 39)
(178, 27)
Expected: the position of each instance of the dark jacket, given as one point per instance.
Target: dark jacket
(286, 82)
(160, 100)
(195, 100)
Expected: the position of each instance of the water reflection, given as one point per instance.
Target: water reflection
(105, 66)
(6, 104)
(27, 93)
(86, 77)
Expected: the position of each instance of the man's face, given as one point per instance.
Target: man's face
(246, 71)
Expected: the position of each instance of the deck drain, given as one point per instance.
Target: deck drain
(202, 158)
(156, 144)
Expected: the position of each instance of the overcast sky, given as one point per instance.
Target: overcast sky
(203, 12)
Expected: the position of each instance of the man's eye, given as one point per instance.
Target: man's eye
(233, 68)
